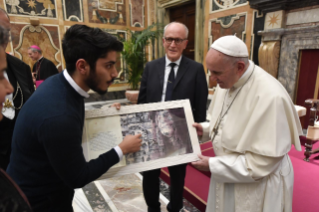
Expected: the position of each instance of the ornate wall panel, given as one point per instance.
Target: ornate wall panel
(39, 8)
(274, 20)
(219, 5)
(137, 13)
(107, 12)
(54, 17)
(228, 25)
(46, 37)
(151, 11)
(72, 10)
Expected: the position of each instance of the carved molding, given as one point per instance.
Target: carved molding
(170, 3)
(276, 34)
(273, 5)
(268, 56)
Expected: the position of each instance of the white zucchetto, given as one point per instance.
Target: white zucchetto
(231, 45)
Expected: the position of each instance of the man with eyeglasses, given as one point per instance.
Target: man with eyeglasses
(172, 77)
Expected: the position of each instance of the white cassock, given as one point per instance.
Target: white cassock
(252, 171)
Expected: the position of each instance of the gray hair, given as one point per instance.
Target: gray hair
(35, 50)
(235, 60)
(176, 22)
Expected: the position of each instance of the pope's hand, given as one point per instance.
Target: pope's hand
(131, 143)
(199, 129)
(116, 105)
(202, 164)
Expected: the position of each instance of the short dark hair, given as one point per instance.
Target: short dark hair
(4, 36)
(90, 44)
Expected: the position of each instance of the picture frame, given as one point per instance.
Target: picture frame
(168, 135)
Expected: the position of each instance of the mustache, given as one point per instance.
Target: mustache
(112, 80)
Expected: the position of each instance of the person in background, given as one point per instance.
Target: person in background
(253, 125)
(43, 68)
(47, 160)
(11, 197)
(172, 77)
(19, 75)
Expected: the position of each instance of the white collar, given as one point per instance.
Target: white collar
(177, 62)
(74, 85)
(39, 58)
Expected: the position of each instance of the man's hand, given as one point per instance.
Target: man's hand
(202, 164)
(199, 129)
(34, 77)
(131, 143)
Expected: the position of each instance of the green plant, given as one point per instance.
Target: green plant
(134, 53)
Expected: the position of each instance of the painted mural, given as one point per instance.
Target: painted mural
(137, 13)
(107, 11)
(113, 16)
(46, 37)
(73, 10)
(226, 4)
(228, 25)
(39, 8)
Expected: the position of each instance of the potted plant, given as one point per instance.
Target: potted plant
(135, 56)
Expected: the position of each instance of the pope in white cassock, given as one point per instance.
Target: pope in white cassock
(253, 125)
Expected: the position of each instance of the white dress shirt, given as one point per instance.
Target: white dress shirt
(8, 112)
(167, 71)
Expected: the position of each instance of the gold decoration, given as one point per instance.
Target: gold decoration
(273, 20)
(268, 56)
(109, 4)
(7, 104)
(31, 4)
(47, 4)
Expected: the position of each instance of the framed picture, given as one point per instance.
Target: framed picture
(168, 137)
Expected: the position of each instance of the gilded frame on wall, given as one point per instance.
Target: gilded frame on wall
(168, 137)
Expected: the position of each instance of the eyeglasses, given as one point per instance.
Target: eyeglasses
(176, 40)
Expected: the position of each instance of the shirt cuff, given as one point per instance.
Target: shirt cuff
(119, 152)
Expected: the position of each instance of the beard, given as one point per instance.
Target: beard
(93, 81)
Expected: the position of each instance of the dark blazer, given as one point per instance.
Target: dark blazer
(47, 69)
(190, 83)
(23, 75)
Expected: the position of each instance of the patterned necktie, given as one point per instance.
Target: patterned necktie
(170, 83)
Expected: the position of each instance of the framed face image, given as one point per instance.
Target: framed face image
(168, 137)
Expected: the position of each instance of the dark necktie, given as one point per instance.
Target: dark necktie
(170, 83)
